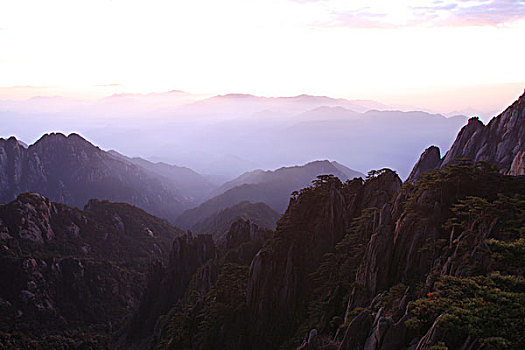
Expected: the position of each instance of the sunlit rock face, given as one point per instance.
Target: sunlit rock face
(518, 164)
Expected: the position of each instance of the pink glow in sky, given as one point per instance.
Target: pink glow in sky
(441, 55)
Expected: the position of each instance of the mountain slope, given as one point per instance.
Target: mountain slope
(193, 186)
(501, 142)
(270, 187)
(302, 174)
(71, 170)
(64, 269)
(218, 225)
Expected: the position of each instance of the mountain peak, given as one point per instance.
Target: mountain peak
(474, 121)
(236, 95)
(429, 159)
(60, 138)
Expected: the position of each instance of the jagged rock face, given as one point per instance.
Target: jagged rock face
(372, 274)
(498, 143)
(62, 268)
(396, 250)
(243, 241)
(17, 168)
(43, 296)
(167, 285)
(33, 224)
(468, 142)
(430, 159)
(193, 269)
(357, 331)
(402, 247)
(70, 170)
(314, 222)
(419, 238)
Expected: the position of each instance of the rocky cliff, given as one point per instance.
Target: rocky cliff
(500, 143)
(63, 268)
(167, 285)
(280, 279)
(181, 293)
(441, 241)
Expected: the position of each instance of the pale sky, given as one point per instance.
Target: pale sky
(391, 51)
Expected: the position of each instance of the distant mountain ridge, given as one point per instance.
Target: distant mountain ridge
(71, 170)
(229, 134)
(194, 186)
(318, 167)
(270, 187)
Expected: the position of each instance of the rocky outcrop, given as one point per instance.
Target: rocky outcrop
(440, 226)
(62, 268)
(192, 271)
(167, 285)
(315, 221)
(372, 274)
(374, 331)
(70, 170)
(33, 224)
(357, 331)
(430, 159)
(499, 143)
(243, 241)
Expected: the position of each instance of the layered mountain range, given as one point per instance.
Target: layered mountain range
(71, 170)
(375, 264)
(217, 225)
(436, 262)
(234, 133)
(270, 187)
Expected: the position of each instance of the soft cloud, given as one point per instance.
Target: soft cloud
(477, 13)
(108, 85)
(384, 14)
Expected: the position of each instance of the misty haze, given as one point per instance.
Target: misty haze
(288, 174)
(231, 134)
